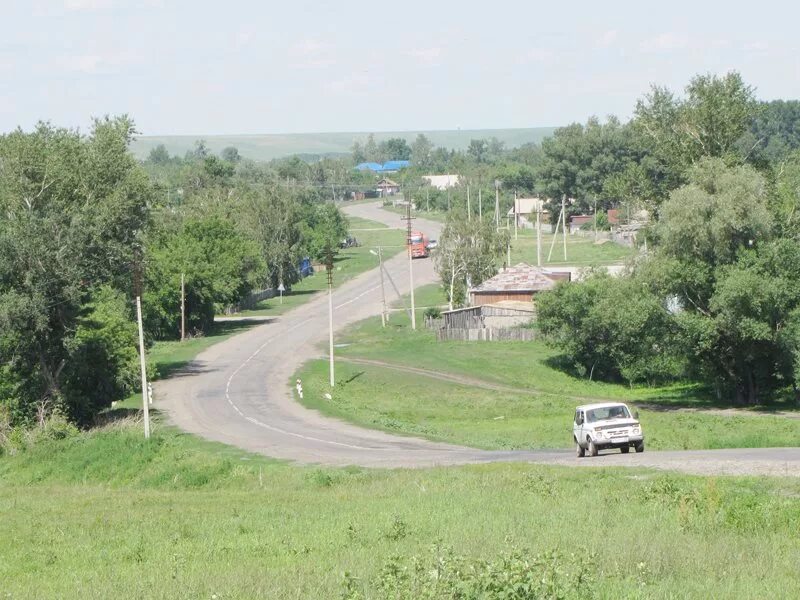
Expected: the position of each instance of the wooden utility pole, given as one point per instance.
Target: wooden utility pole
(143, 365)
(183, 307)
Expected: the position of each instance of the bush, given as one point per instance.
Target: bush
(433, 312)
(611, 328)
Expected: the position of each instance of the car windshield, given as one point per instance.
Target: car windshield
(607, 412)
(416, 239)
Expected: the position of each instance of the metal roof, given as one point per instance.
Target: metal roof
(519, 278)
(372, 166)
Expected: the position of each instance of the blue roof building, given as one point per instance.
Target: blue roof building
(395, 165)
(370, 166)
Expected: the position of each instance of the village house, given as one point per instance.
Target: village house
(441, 182)
(387, 187)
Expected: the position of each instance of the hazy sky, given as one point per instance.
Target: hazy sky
(202, 67)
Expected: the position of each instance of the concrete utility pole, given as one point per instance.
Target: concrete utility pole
(183, 307)
(408, 219)
(539, 234)
(144, 369)
(379, 254)
(564, 223)
(555, 236)
(329, 268)
(497, 204)
(595, 219)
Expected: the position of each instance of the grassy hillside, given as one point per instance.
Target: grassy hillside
(269, 146)
(106, 514)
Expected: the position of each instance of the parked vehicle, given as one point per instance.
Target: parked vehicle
(432, 244)
(607, 425)
(418, 244)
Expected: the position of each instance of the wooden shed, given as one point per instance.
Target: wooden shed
(519, 283)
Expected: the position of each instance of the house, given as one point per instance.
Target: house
(441, 182)
(519, 283)
(387, 187)
(578, 221)
(525, 209)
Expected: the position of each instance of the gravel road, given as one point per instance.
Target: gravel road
(238, 392)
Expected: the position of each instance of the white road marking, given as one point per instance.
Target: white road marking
(271, 427)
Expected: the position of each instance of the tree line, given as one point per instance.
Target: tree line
(85, 227)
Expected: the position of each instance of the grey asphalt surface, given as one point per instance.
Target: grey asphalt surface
(238, 392)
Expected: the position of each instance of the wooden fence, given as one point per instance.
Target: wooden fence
(250, 301)
(488, 334)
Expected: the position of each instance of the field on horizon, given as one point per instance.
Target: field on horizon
(277, 145)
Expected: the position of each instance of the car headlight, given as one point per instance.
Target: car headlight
(635, 430)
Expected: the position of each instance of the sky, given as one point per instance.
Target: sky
(188, 67)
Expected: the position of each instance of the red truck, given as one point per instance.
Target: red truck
(418, 245)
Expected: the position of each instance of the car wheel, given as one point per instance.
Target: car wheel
(625, 449)
(640, 447)
(580, 451)
(592, 448)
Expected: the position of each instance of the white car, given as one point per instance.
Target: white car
(607, 425)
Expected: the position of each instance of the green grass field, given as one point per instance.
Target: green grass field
(349, 263)
(536, 413)
(269, 146)
(107, 514)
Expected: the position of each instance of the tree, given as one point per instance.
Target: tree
(199, 151)
(468, 252)
(394, 149)
(708, 242)
(230, 154)
(610, 329)
(708, 122)
(371, 149)
(775, 131)
(357, 151)
(74, 209)
(421, 152)
(221, 266)
(478, 150)
(158, 155)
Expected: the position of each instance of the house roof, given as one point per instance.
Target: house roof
(371, 166)
(442, 182)
(395, 165)
(386, 182)
(519, 278)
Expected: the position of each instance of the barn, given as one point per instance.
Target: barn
(518, 283)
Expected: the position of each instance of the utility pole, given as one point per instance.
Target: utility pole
(515, 214)
(408, 219)
(469, 209)
(329, 268)
(555, 236)
(564, 223)
(497, 204)
(183, 307)
(379, 254)
(539, 233)
(595, 219)
(144, 369)
(427, 200)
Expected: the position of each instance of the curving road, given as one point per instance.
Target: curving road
(238, 392)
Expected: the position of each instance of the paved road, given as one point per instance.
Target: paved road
(238, 392)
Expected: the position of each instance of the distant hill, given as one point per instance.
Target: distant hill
(269, 146)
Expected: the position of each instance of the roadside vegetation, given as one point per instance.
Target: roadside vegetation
(512, 395)
(105, 513)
